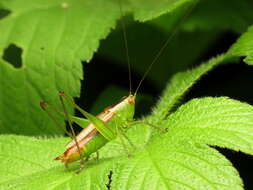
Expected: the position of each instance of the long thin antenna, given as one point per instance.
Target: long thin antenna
(174, 32)
(126, 46)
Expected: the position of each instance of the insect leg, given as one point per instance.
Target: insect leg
(97, 155)
(122, 141)
(122, 135)
(82, 164)
(82, 161)
(79, 121)
(44, 107)
(121, 132)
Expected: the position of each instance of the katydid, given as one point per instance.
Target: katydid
(106, 126)
(102, 128)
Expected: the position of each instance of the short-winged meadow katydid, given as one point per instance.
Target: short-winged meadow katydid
(106, 126)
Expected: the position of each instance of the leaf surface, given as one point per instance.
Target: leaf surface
(216, 121)
(54, 36)
(165, 164)
(244, 47)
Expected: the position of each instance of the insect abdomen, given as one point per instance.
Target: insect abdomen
(95, 144)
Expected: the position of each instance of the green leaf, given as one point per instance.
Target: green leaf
(21, 156)
(54, 37)
(175, 160)
(27, 163)
(215, 121)
(244, 47)
(176, 164)
(150, 9)
(167, 163)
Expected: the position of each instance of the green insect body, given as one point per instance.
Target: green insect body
(102, 128)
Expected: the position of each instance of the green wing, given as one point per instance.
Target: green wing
(80, 121)
(100, 125)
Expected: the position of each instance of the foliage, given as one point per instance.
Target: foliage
(55, 36)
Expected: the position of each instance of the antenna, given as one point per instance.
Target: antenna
(174, 31)
(123, 26)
